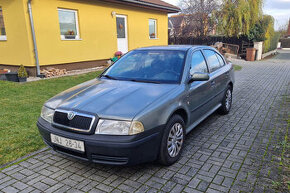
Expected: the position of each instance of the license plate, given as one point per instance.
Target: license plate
(69, 143)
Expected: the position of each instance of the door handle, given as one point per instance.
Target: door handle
(212, 83)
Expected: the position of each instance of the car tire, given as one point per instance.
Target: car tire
(172, 141)
(226, 102)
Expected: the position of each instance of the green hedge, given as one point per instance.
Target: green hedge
(271, 43)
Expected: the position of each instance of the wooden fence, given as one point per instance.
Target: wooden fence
(241, 41)
(285, 42)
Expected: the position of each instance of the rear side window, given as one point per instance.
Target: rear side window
(212, 60)
(198, 63)
(222, 63)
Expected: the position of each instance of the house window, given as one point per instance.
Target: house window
(2, 27)
(68, 22)
(152, 28)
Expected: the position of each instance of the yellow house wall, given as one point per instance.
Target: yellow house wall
(17, 49)
(97, 30)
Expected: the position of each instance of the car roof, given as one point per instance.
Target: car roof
(174, 47)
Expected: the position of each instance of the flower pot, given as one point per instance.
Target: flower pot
(70, 37)
(12, 76)
(22, 79)
(3, 71)
(3, 77)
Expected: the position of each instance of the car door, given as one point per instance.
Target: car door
(199, 91)
(217, 76)
(225, 72)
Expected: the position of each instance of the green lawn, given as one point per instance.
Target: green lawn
(20, 106)
(237, 67)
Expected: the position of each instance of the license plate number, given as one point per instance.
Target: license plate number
(69, 143)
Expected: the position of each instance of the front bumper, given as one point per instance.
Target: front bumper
(108, 149)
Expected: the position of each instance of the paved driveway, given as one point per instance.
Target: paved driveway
(236, 152)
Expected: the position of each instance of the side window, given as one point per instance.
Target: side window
(198, 63)
(222, 63)
(212, 60)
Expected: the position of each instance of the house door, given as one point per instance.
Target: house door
(122, 34)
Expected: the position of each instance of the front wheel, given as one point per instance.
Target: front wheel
(226, 102)
(172, 141)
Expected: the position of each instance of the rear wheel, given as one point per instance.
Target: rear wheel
(226, 102)
(172, 141)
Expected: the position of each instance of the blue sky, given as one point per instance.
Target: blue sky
(279, 9)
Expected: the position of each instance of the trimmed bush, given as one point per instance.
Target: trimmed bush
(22, 72)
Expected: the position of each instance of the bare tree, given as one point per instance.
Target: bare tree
(199, 20)
(284, 29)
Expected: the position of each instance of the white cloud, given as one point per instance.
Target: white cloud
(279, 9)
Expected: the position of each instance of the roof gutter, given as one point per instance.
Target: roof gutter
(152, 5)
(33, 37)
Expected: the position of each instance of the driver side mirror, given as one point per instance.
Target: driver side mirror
(199, 76)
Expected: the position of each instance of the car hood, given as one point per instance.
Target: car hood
(110, 98)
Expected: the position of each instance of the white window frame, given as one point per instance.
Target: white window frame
(76, 20)
(3, 37)
(155, 21)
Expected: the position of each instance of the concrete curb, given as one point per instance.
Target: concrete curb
(273, 52)
(23, 158)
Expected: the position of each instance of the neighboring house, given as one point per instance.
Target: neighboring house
(78, 34)
(184, 25)
(177, 24)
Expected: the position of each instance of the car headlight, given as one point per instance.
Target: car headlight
(113, 127)
(47, 114)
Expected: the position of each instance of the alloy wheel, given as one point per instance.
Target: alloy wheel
(175, 140)
(228, 99)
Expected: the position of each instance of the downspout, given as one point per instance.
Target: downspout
(33, 38)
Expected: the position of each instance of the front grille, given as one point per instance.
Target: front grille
(79, 122)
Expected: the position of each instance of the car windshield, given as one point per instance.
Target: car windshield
(155, 66)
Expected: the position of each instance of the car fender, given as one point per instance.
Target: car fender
(173, 109)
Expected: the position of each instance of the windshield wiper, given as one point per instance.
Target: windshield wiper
(145, 81)
(109, 77)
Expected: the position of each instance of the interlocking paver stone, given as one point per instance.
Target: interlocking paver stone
(230, 153)
(20, 185)
(10, 189)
